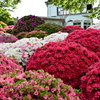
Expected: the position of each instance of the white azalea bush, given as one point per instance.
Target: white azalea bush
(96, 26)
(4, 47)
(22, 49)
(55, 37)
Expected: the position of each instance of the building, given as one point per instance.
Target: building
(68, 18)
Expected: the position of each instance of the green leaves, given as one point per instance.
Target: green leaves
(78, 5)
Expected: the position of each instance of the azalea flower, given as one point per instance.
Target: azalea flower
(22, 49)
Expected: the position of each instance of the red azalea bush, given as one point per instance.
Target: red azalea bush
(34, 85)
(90, 83)
(8, 64)
(89, 38)
(70, 28)
(68, 61)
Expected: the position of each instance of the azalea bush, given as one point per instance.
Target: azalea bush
(68, 61)
(96, 26)
(38, 34)
(22, 49)
(9, 29)
(70, 28)
(4, 47)
(22, 35)
(3, 25)
(7, 38)
(49, 28)
(90, 83)
(89, 38)
(34, 85)
(55, 37)
(2, 30)
(8, 64)
(27, 24)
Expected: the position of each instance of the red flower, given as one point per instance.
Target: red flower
(67, 61)
(90, 83)
(89, 38)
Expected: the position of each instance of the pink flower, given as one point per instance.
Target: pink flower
(36, 92)
(28, 96)
(45, 96)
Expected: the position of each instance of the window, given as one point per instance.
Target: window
(77, 23)
(89, 7)
(86, 25)
(61, 11)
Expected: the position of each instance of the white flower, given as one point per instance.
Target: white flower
(4, 47)
(96, 26)
(22, 49)
(55, 37)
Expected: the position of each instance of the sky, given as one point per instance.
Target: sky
(27, 7)
(34, 7)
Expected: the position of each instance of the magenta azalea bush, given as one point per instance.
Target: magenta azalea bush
(7, 38)
(90, 83)
(8, 64)
(34, 85)
(70, 28)
(68, 61)
(89, 38)
(27, 24)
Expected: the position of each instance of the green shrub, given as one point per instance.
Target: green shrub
(22, 35)
(49, 28)
(3, 25)
(38, 34)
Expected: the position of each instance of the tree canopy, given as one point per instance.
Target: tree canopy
(9, 4)
(5, 7)
(78, 5)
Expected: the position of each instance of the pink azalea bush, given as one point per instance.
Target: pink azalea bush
(23, 48)
(68, 61)
(34, 85)
(90, 83)
(2, 30)
(70, 28)
(7, 38)
(8, 64)
(89, 38)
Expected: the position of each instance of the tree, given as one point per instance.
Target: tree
(5, 7)
(78, 5)
(9, 4)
